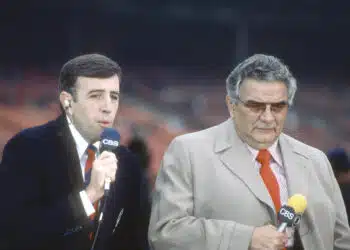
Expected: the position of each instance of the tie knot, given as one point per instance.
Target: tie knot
(91, 149)
(263, 157)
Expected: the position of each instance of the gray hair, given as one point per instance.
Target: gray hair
(260, 67)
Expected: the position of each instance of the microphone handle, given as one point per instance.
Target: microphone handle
(103, 208)
(107, 187)
(107, 184)
(282, 227)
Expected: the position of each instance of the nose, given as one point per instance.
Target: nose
(267, 115)
(106, 105)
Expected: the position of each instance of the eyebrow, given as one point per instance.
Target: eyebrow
(279, 102)
(98, 91)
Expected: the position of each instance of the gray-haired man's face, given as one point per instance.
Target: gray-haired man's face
(260, 112)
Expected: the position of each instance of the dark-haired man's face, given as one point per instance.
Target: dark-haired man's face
(95, 106)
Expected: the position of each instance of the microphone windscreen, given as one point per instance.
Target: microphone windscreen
(298, 203)
(109, 140)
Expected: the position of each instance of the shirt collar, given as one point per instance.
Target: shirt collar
(273, 149)
(80, 143)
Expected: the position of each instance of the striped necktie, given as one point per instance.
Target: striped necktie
(91, 151)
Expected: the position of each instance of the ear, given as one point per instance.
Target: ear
(66, 100)
(230, 106)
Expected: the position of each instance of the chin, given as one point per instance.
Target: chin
(267, 140)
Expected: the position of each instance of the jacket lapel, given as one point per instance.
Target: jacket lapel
(69, 155)
(297, 175)
(294, 162)
(237, 158)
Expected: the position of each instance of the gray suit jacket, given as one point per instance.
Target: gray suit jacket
(208, 194)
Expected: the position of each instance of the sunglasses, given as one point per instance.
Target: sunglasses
(259, 107)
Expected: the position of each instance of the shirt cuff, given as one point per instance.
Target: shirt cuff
(88, 207)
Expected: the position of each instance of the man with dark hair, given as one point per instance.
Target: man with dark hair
(53, 175)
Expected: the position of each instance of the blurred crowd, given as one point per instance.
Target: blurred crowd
(159, 104)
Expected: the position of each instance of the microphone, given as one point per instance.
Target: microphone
(109, 142)
(290, 214)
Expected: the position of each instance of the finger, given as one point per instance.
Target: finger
(285, 236)
(277, 246)
(97, 166)
(110, 177)
(108, 169)
(280, 243)
(271, 227)
(112, 172)
(103, 155)
(285, 239)
(108, 158)
(108, 162)
(106, 154)
(102, 164)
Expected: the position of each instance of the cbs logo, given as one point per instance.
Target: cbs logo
(110, 142)
(286, 213)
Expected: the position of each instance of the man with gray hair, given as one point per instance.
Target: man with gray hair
(223, 187)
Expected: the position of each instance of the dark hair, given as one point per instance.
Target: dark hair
(339, 160)
(88, 65)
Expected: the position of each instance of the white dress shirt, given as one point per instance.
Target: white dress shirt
(277, 167)
(81, 146)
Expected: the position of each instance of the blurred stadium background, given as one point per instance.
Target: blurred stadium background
(175, 57)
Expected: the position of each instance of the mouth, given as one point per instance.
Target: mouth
(104, 123)
(266, 129)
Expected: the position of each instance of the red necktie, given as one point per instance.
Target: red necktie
(269, 178)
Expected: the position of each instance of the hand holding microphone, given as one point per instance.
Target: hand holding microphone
(270, 237)
(105, 166)
(109, 142)
(103, 172)
(267, 237)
